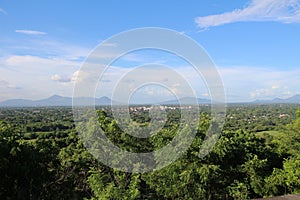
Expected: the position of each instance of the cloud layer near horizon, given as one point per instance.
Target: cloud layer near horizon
(241, 83)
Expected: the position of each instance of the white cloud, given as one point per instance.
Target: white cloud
(270, 93)
(81, 76)
(30, 32)
(8, 89)
(60, 78)
(75, 76)
(242, 83)
(250, 83)
(34, 75)
(44, 47)
(46, 67)
(38, 63)
(285, 11)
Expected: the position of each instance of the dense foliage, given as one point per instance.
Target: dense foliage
(257, 155)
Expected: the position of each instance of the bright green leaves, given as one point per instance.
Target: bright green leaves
(239, 190)
(112, 184)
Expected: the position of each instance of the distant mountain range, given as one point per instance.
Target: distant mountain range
(54, 100)
(293, 99)
(57, 100)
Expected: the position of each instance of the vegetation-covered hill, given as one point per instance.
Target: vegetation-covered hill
(257, 155)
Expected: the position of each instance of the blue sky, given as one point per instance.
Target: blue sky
(254, 43)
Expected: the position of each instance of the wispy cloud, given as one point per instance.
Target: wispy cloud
(6, 85)
(3, 11)
(44, 47)
(284, 11)
(30, 32)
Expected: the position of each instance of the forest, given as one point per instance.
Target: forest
(257, 156)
